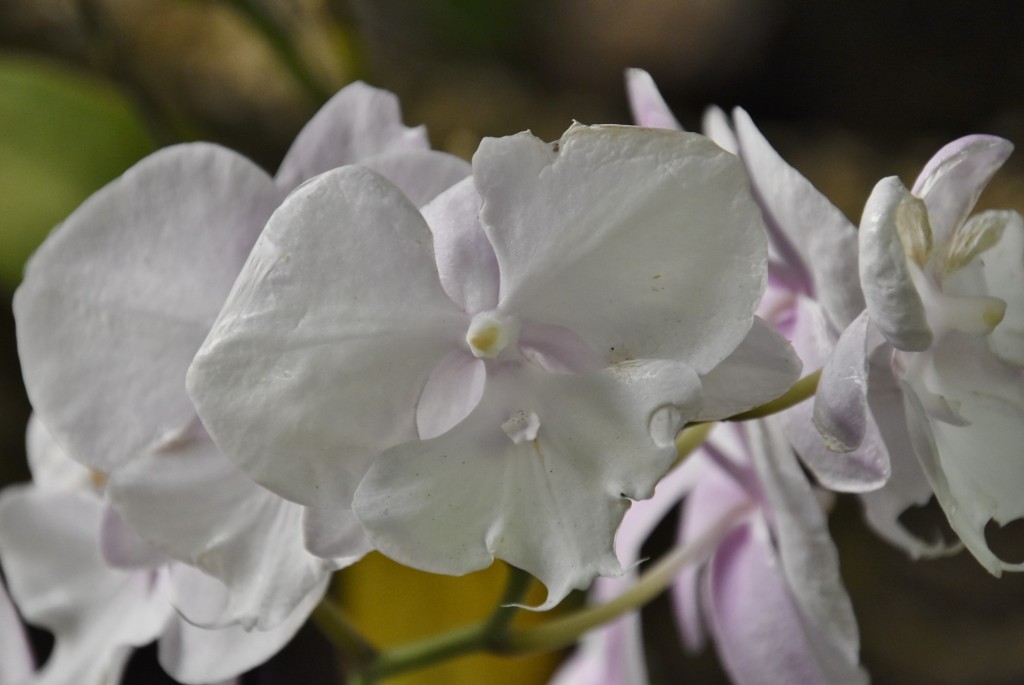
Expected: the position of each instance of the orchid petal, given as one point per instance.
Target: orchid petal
(547, 494)
(340, 292)
(645, 101)
(420, 174)
(51, 558)
(809, 232)
(119, 298)
(16, 661)
(863, 469)
(610, 655)
(359, 122)
(715, 125)
(122, 547)
(841, 403)
(465, 258)
(453, 390)
(335, 534)
(892, 299)
(191, 654)
(907, 486)
(654, 254)
(713, 496)
(954, 177)
(1004, 274)
(196, 506)
(763, 367)
(758, 629)
(51, 467)
(975, 470)
(810, 562)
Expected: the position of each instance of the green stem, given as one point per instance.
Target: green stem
(355, 649)
(801, 390)
(487, 635)
(690, 438)
(566, 630)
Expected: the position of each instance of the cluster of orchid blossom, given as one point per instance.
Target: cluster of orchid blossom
(244, 383)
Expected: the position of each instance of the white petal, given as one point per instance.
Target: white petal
(191, 654)
(804, 227)
(975, 470)
(810, 562)
(360, 121)
(841, 403)
(189, 501)
(325, 344)
(549, 505)
(420, 174)
(715, 125)
(953, 179)
(862, 469)
(648, 107)
(644, 243)
(51, 467)
(907, 486)
(16, 661)
(122, 547)
(49, 544)
(1004, 274)
(334, 534)
(889, 291)
(465, 258)
(453, 390)
(763, 367)
(118, 299)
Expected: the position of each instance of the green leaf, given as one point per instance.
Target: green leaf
(63, 135)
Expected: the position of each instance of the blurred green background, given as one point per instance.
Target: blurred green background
(848, 92)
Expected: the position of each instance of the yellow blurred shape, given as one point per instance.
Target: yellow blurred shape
(393, 604)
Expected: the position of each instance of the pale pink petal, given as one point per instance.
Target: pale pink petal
(465, 258)
(610, 655)
(648, 107)
(658, 253)
(805, 228)
(955, 176)
(360, 121)
(810, 562)
(324, 346)
(118, 299)
(453, 390)
(758, 630)
(551, 459)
